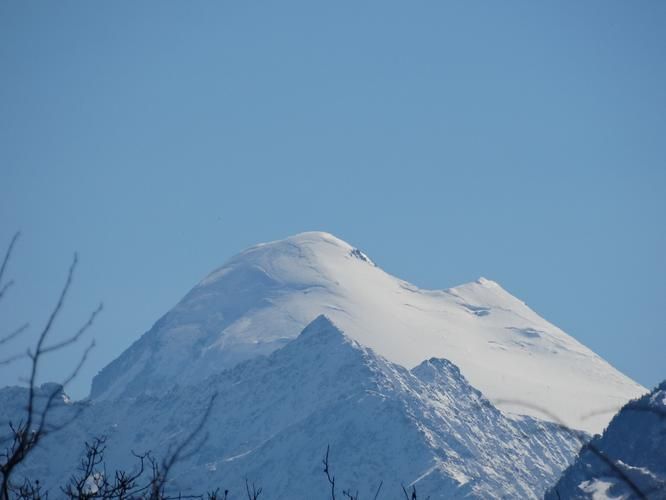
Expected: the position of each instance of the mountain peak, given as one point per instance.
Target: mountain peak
(487, 283)
(316, 236)
(432, 368)
(305, 259)
(273, 415)
(263, 298)
(322, 327)
(311, 239)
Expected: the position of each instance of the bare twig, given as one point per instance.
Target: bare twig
(5, 261)
(12, 358)
(582, 439)
(27, 435)
(348, 494)
(327, 471)
(172, 458)
(252, 492)
(3, 289)
(77, 335)
(409, 496)
(378, 490)
(18, 331)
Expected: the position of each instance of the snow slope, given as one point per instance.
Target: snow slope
(264, 297)
(635, 442)
(274, 416)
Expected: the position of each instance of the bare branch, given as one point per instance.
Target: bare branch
(57, 308)
(12, 358)
(252, 493)
(581, 437)
(327, 471)
(161, 473)
(348, 494)
(26, 436)
(77, 335)
(14, 334)
(5, 261)
(404, 491)
(378, 490)
(631, 406)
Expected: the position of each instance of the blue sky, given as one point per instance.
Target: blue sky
(521, 141)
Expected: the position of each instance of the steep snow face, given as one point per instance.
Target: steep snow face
(263, 297)
(274, 416)
(635, 443)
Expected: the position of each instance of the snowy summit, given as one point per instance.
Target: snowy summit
(263, 298)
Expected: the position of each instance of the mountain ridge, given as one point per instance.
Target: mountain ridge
(264, 296)
(274, 415)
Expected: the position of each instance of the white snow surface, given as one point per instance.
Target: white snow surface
(274, 416)
(263, 298)
(599, 490)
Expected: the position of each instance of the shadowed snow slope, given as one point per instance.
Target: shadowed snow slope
(264, 297)
(274, 416)
(635, 442)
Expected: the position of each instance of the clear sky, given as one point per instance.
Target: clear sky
(520, 141)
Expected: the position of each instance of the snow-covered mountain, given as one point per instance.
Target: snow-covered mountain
(262, 298)
(274, 415)
(627, 461)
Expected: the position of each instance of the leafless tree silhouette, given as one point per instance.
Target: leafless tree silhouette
(91, 481)
(194, 442)
(146, 481)
(411, 495)
(27, 434)
(331, 480)
(252, 491)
